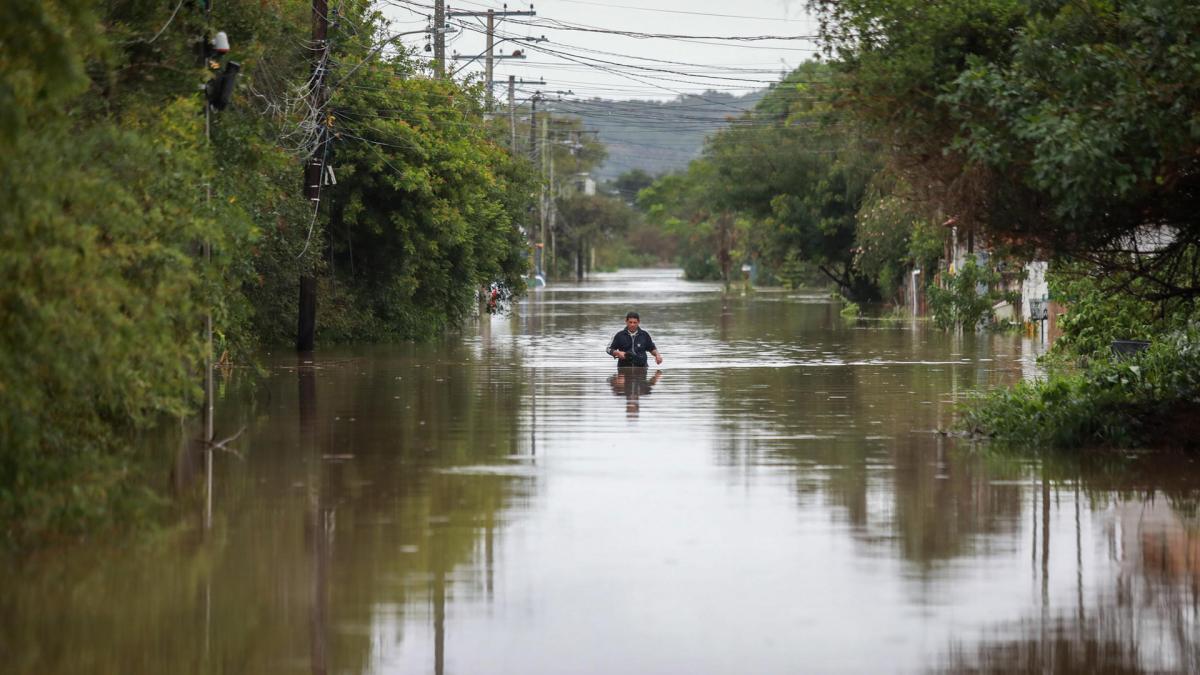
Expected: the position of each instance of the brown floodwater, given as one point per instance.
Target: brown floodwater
(773, 499)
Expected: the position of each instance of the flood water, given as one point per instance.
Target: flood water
(772, 500)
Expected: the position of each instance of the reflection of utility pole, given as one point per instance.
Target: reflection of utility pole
(318, 519)
(439, 37)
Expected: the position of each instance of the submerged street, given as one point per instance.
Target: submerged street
(774, 499)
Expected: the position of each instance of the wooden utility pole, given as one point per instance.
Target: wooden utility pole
(487, 64)
(548, 206)
(533, 149)
(512, 114)
(313, 173)
(489, 56)
(552, 205)
(439, 37)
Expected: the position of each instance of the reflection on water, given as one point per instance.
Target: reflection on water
(773, 499)
(633, 383)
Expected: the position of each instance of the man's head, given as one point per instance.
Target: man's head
(631, 321)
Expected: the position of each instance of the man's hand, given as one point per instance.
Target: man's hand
(657, 358)
(619, 354)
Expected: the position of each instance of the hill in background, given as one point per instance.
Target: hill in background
(655, 136)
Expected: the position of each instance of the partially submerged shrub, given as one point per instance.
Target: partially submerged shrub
(968, 298)
(1150, 399)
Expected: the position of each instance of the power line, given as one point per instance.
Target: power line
(679, 11)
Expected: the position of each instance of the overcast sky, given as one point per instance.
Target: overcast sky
(618, 66)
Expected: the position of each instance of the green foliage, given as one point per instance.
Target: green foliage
(783, 187)
(113, 194)
(994, 106)
(101, 298)
(894, 58)
(1097, 313)
(1096, 163)
(968, 297)
(629, 184)
(586, 222)
(44, 44)
(799, 177)
(424, 210)
(680, 205)
(1152, 398)
(893, 238)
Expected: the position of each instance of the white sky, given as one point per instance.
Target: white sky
(711, 64)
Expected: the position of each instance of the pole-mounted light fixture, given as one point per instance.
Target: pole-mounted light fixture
(220, 43)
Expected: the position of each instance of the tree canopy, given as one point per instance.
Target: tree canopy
(115, 184)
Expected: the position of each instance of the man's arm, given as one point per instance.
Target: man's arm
(654, 350)
(612, 348)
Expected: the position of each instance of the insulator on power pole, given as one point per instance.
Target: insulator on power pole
(220, 89)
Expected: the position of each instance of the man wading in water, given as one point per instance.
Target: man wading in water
(630, 346)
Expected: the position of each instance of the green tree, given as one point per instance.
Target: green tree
(113, 184)
(968, 297)
(1108, 174)
(629, 184)
(794, 170)
(681, 205)
(426, 206)
(586, 221)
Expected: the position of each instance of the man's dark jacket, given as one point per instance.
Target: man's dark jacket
(635, 346)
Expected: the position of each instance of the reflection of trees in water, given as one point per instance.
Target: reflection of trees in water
(328, 529)
(857, 434)
(1062, 646)
(412, 537)
(1144, 621)
(856, 438)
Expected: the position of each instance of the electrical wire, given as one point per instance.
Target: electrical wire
(678, 11)
(168, 23)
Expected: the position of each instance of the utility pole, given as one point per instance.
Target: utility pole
(487, 66)
(512, 114)
(313, 174)
(553, 206)
(489, 56)
(533, 149)
(547, 188)
(439, 37)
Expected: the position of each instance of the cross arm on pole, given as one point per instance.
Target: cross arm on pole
(492, 12)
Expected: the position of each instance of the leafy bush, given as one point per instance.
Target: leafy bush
(1100, 311)
(1151, 398)
(101, 297)
(968, 298)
